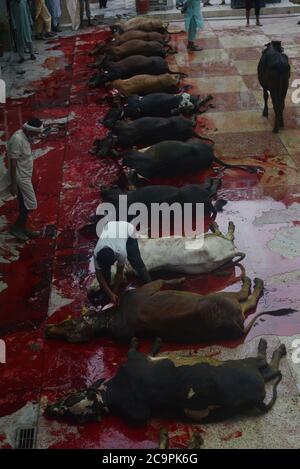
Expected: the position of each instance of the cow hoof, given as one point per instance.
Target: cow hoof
(282, 349)
(265, 114)
(258, 283)
(275, 130)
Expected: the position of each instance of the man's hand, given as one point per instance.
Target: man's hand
(114, 299)
(13, 189)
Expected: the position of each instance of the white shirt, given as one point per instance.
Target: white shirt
(115, 235)
(19, 148)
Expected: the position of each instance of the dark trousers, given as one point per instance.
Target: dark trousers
(23, 211)
(102, 3)
(253, 3)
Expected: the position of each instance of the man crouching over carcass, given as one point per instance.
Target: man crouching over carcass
(117, 243)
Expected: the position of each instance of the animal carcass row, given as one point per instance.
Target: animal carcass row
(190, 193)
(173, 315)
(129, 67)
(118, 39)
(273, 74)
(147, 386)
(137, 47)
(140, 23)
(169, 158)
(145, 131)
(146, 84)
(189, 255)
(154, 105)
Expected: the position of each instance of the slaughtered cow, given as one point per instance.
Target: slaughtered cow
(173, 315)
(118, 39)
(189, 255)
(146, 84)
(140, 23)
(170, 158)
(129, 67)
(136, 47)
(273, 74)
(147, 386)
(144, 131)
(190, 193)
(154, 105)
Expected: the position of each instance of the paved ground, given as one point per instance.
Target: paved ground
(48, 277)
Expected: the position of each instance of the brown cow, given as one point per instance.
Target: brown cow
(136, 47)
(146, 84)
(118, 39)
(141, 23)
(173, 315)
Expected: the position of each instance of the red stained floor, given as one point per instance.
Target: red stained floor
(67, 181)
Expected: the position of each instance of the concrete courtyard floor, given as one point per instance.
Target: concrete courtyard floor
(47, 278)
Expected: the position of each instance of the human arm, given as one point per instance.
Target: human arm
(119, 277)
(104, 285)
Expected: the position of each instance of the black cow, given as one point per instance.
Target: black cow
(129, 67)
(155, 105)
(190, 193)
(273, 74)
(145, 131)
(170, 158)
(147, 386)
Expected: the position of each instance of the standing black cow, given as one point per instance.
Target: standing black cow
(273, 74)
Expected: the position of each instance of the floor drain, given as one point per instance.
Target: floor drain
(25, 438)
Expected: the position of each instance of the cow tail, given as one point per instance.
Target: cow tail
(277, 312)
(266, 407)
(244, 167)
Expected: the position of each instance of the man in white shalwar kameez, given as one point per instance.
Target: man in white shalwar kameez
(17, 181)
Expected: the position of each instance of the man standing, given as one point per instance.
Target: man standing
(55, 12)
(18, 179)
(21, 24)
(87, 11)
(42, 20)
(117, 243)
(257, 5)
(193, 21)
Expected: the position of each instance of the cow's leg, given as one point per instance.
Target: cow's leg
(277, 356)
(266, 97)
(283, 96)
(230, 232)
(163, 442)
(253, 299)
(277, 110)
(244, 292)
(196, 441)
(262, 349)
(156, 346)
(214, 227)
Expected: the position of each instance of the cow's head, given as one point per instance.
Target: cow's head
(188, 103)
(275, 45)
(81, 406)
(111, 194)
(74, 331)
(116, 28)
